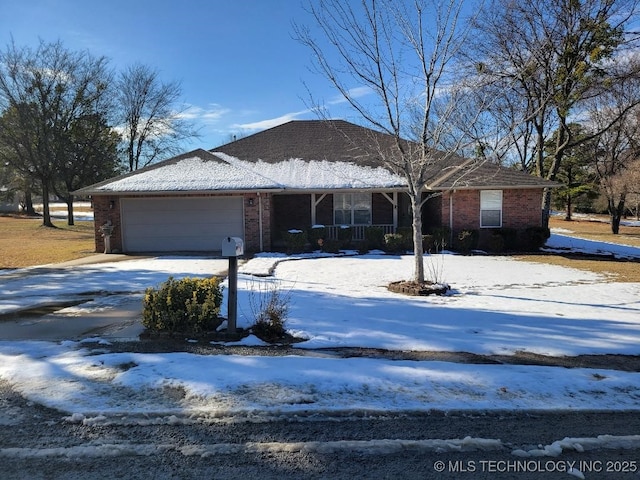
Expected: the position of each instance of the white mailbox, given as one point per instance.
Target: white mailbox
(232, 247)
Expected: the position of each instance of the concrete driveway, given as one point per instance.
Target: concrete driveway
(82, 299)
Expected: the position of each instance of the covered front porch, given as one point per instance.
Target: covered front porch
(388, 210)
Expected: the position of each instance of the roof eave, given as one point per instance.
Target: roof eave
(148, 193)
(497, 187)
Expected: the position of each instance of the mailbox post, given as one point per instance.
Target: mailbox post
(232, 248)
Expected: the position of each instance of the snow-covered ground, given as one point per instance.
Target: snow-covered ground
(497, 305)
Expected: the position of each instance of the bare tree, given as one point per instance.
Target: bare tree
(151, 122)
(42, 93)
(617, 148)
(556, 54)
(402, 52)
(633, 182)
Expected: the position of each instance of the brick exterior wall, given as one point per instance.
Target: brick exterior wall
(252, 221)
(106, 209)
(521, 208)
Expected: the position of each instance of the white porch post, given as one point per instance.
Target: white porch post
(314, 204)
(394, 201)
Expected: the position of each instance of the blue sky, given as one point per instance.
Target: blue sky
(239, 67)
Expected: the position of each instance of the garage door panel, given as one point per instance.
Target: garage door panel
(180, 224)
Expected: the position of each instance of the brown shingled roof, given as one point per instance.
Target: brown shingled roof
(331, 140)
(489, 175)
(341, 141)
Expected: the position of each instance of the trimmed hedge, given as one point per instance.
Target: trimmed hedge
(189, 305)
(534, 238)
(374, 238)
(394, 242)
(317, 235)
(295, 241)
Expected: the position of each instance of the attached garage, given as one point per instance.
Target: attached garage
(180, 224)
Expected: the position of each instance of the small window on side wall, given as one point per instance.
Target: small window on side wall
(490, 208)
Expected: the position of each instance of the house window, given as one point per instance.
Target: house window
(490, 208)
(352, 209)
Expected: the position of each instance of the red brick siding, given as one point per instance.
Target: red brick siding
(520, 208)
(104, 212)
(252, 221)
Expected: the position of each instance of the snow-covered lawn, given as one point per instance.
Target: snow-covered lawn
(497, 305)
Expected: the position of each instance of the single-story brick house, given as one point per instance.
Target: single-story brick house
(294, 176)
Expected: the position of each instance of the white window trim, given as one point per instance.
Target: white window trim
(488, 207)
(351, 194)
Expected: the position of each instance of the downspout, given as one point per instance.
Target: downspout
(260, 221)
(451, 217)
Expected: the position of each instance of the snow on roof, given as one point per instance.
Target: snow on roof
(189, 174)
(296, 173)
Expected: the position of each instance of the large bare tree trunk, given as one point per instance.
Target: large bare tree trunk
(418, 254)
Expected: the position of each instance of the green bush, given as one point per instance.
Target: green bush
(407, 237)
(428, 243)
(534, 238)
(345, 235)
(331, 246)
(189, 305)
(510, 236)
(295, 241)
(496, 242)
(467, 240)
(394, 242)
(374, 238)
(317, 235)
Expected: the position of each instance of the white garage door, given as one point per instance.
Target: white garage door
(180, 224)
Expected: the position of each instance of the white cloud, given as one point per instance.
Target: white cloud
(209, 114)
(356, 92)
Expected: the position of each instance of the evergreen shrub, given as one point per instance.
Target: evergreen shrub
(534, 238)
(189, 305)
(317, 235)
(345, 235)
(407, 237)
(295, 241)
(374, 238)
(429, 244)
(394, 242)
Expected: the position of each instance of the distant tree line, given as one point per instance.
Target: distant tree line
(67, 120)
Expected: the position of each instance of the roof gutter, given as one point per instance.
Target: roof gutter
(173, 193)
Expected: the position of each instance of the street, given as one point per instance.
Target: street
(40, 443)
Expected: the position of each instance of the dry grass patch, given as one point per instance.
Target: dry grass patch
(24, 242)
(598, 230)
(615, 270)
